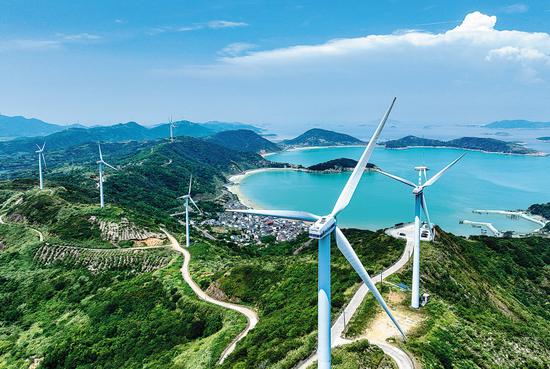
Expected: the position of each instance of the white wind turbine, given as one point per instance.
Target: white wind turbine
(419, 202)
(101, 163)
(187, 198)
(41, 159)
(172, 126)
(321, 229)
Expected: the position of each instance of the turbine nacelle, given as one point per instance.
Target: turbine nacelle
(322, 227)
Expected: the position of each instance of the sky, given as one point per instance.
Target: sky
(275, 63)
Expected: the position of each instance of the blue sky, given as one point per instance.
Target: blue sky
(274, 62)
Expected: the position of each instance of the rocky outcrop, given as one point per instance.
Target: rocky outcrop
(124, 231)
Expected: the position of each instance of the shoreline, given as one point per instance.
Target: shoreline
(535, 154)
(235, 180)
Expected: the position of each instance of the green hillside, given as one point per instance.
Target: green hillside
(469, 143)
(244, 140)
(322, 137)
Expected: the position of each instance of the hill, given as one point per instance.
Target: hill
(19, 126)
(543, 210)
(517, 124)
(322, 137)
(244, 140)
(336, 165)
(468, 143)
(217, 126)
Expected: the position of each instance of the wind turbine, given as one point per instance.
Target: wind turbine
(321, 229)
(41, 159)
(187, 198)
(172, 126)
(101, 163)
(419, 202)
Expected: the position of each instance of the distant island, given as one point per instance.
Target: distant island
(468, 143)
(543, 138)
(337, 165)
(517, 124)
(322, 137)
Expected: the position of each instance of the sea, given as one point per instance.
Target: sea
(479, 181)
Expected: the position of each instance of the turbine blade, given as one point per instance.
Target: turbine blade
(43, 160)
(195, 204)
(402, 180)
(425, 210)
(110, 166)
(355, 176)
(100, 154)
(353, 259)
(38, 146)
(434, 179)
(43, 146)
(190, 183)
(286, 214)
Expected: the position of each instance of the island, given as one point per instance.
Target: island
(468, 143)
(337, 166)
(546, 139)
(517, 124)
(244, 140)
(322, 137)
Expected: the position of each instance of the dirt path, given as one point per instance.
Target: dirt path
(401, 358)
(40, 234)
(251, 316)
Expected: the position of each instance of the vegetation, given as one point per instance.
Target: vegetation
(65, 317)
(322, 137)
(337, 165)
(543, 210)
(469, 143)
(488, 305)
(282, 287)
(244, 140)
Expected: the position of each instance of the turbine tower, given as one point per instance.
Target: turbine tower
(321, 229)
(41, 159)
(187, 198)
(101, 163)
(419, 202)
(172, 126)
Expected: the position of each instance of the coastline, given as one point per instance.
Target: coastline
(235, 180)
(535, 154)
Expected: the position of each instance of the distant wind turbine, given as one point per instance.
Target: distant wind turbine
(187, 198)
(419, 202)
(101, 163)
(321, 229)
(172, 126)
(41, 159)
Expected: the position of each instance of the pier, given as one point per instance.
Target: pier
(514, 215)
(487, 225)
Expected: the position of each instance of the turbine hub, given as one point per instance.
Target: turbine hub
(418, 189)
(322, 227)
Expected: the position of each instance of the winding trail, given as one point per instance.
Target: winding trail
(39, 233)
(251, 316)
(401, 358)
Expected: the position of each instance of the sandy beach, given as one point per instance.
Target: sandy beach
(234, 184)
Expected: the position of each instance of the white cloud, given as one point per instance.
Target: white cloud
(29, 45)
(515, 8)
(474, 71)
(474, 41)
(216, 24)
(236, 48)
(79, 37)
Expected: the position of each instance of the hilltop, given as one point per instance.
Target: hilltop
(244, 140)
(337, 165)
(322, 137)
(517, 124)
(18, 126)
(468, 143)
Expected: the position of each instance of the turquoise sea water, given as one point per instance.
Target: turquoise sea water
(479, 181)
